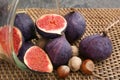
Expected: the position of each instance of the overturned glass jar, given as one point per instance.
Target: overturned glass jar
(8, 33)
(13, 40)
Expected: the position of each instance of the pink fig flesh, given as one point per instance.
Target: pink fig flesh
(36, 59)
(5, 39)
(51, 25)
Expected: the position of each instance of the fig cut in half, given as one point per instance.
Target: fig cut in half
(36, 59)
(51, 25)
(5, 39)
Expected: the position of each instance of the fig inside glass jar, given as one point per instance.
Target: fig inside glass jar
(7, 14)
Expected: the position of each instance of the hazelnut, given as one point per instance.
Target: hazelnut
(63, 71)
(75, 51)
(75, 63)
(87, 66)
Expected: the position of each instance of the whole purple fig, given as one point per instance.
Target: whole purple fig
(59, 51)
(24, 22)
(96, 47)
(75, 27)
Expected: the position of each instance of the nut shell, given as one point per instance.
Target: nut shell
(75, 63)
(75, 51)
(63, 71)
(87, 67)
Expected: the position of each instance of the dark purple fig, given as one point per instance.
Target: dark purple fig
(96, 47)
(24, 22)
(23, 49)
(35, 58)
(75, 26)
(51, 25)
(59, 51)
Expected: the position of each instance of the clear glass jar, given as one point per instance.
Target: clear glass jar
(7, 15)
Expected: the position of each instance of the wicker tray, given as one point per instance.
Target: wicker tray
(97, 20)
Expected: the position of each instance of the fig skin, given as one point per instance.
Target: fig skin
(37, 60)
(59, 51)
(23, 53)
(24, 22)
(96, 47)
(76, 26)
(24, 48)
(48, 35)
(53, 19)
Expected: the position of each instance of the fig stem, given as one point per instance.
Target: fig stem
(72, 10)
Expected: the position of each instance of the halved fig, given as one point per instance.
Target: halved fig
(17, 39)
(51, 25)
(36, 59)
(5, 39)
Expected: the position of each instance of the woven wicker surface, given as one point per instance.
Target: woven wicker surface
(97, 20)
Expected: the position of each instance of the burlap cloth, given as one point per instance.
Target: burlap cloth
(96, 20)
